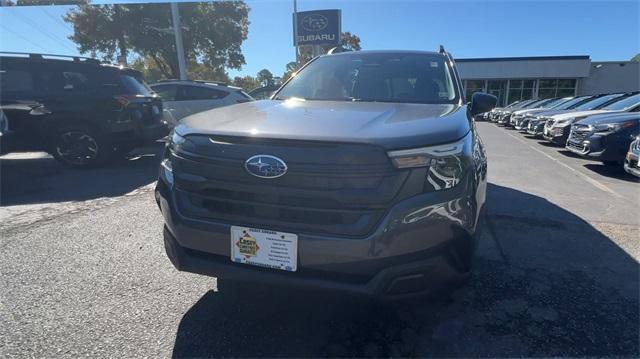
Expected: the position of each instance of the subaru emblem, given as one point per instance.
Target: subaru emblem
(265, 166)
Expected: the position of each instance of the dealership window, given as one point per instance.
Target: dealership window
(472, 86)
(497, 89)
(520, 90)
(549, 88)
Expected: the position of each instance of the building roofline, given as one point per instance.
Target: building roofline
(613, 62)
(526, 58)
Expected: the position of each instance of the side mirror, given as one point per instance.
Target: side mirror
(482, 102)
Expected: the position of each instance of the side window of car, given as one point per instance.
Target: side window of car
(262, 94)
(191, 93)
(166, 92)
(75, 81)
(16, 83)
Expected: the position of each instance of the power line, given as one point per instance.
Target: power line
(22, 37)
(35, 26)
(55, 18)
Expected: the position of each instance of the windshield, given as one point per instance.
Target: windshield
(593, 104)
(524, 104)
(534, 104)
(569, 104)
(624, 104)
(554, 103)
(513, 105)
(375, 77)
(135, 86)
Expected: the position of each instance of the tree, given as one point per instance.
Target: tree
(212, 33)
(198, 71)
(265, 77)
(100, 29)
(148, 68)
(348, 41)
(247, 83)
(290, 69)
(636, 58)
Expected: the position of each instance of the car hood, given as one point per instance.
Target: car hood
(549, 113)
(577, 114)
(532, 111)
(390, 125)
(610, 118)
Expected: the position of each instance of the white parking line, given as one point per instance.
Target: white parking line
(585, 177)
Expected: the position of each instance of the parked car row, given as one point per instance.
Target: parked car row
(603, 127)
(86, 113)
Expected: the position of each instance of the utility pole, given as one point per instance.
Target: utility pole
(295, 31)
(177, 31)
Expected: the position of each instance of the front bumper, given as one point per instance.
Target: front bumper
(522, 124)
(632, 164)
(138, 134)
(535, 129)
(423, 245)
(557, 135)
(6, 142)
(504, 120)
(599, 147)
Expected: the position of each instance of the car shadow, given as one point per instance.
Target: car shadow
(29, 178)
(574, 155)
(545, 283)
(616, 172)
(531, 137)
(547, 143)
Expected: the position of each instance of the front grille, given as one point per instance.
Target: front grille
(579, 133)
(341, 189)
(578, 146)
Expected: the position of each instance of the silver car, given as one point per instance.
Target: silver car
(184, 98)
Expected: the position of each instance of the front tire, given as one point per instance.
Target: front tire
(78, 146)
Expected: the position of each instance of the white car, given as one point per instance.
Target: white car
(183, 98)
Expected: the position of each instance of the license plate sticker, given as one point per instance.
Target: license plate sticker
(264, 248)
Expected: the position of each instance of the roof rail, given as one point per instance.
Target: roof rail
(42, 56)
(196, 81)
(337, 49)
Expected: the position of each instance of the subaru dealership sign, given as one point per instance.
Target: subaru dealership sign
(318, 27)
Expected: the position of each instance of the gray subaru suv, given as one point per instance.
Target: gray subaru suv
(363, 173)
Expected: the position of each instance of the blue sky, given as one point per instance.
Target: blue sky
(605, 30)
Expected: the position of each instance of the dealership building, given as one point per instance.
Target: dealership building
(518, 78)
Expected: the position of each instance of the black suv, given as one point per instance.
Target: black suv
(79, 110)
(363, 173)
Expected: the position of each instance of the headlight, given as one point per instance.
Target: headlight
(167, 170)
(563, 121)
(445, 164)
(613, 127)
(176, 140)
(4, 123)
(166, 167)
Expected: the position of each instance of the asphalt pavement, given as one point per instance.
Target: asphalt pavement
(83, 272)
